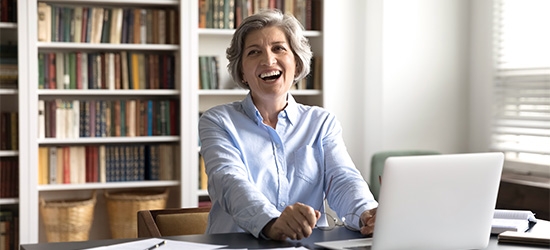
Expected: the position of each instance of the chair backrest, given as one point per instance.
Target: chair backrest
(379, 159)
(171, 222)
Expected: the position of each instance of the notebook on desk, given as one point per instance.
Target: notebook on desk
(434, 202)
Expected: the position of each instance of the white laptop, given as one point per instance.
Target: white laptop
(434, 202)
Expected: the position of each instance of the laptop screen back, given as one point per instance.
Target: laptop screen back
(437, 201)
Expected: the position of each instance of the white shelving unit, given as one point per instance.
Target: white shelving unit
(192, 43)
(182, 188)
(9, 96)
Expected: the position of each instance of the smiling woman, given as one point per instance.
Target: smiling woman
(268, 158)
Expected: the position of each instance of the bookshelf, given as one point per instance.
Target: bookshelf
(33, 95)
(192, 42)
(9, 110)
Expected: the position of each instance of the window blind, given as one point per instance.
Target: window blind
(521, 122)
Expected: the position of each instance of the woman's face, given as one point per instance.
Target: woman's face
(268, 63)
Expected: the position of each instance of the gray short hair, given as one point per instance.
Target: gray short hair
(270, 18)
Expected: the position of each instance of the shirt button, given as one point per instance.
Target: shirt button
(283, 204)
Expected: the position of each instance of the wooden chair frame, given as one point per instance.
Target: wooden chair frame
(146, 219)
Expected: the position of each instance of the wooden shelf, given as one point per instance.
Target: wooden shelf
(108, 185)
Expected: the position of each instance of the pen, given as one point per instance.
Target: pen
(157, 245)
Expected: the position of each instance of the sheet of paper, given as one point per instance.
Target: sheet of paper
(345, 244)
(514, 214)
(168, 245)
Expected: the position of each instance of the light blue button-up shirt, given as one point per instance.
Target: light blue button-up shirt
(255, 171)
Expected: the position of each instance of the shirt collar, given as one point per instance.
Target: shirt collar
(290, 112)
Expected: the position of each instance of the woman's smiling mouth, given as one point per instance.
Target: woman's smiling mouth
(271, 76)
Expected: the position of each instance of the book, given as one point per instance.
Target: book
(162, 25)
(5, 224)
(78, 70)
(73, 165)
(44, 22)
(59, 165)
(526, 238)
(116, 26)
(97, 24)
(43, 162)
(124, 70)
(512, 220)
(149, 26)
(203, 73)
(84, 26)
(131, 118)
(172, 30)
(77, 24)
(106, 29)
(41, 70)
(74, 127)
(142, 79)
(110, 70)
(203, 8)
(99, 167)
(59, 67)
(136, 14)
(84, 70)
(52, 165)
(203, 178)
(41, 119)
(135, 70)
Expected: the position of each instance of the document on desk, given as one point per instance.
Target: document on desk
(345, 244)
(512, 220)
(158, 244)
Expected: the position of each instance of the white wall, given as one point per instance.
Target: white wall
(344, 64)
(481, 77)
(398, 76)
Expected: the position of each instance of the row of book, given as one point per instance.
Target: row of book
(228, 14)
(109, 70)
(9, 131)
(106, 118)
(9, 177)
(115, 25)
(208, 72)
(8, 66)
(9, 229)
(106, 163)
(314, 79)
(8, 11)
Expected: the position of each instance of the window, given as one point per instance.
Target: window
(521, 125)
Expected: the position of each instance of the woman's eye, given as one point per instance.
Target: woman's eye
(279, 48)
(252, 52)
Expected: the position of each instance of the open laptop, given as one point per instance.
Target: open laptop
(434, 202)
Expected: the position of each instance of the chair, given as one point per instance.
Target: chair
(377, 165)
(174, 221)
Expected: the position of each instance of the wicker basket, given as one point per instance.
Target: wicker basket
(122, 208)
(68, 220)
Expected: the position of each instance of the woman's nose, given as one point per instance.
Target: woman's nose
(268, 59)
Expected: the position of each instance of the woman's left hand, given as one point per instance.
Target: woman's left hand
(367, 219)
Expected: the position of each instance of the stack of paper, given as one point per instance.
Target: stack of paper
(512, 220)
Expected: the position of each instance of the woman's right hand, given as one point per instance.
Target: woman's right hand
(296, 222)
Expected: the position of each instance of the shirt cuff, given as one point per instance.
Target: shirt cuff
(261, 234)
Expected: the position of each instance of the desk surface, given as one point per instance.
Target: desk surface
(244, 240)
